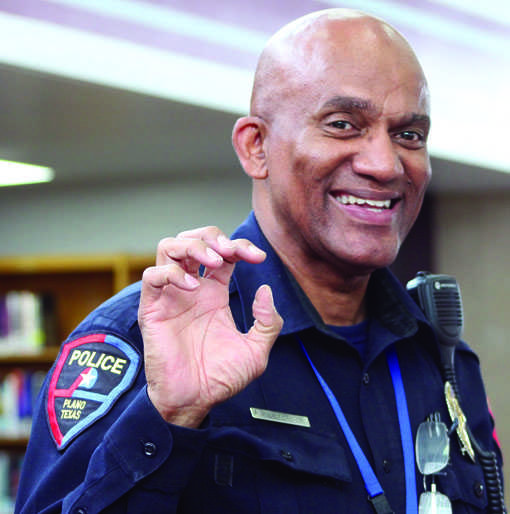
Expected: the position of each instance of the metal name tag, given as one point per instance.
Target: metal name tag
(280, 417)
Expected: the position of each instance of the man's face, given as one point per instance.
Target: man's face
(346, 156)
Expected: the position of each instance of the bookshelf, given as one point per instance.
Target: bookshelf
(76, 284)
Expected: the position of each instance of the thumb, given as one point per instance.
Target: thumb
(268, 322)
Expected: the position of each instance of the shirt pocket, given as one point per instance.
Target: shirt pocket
(278, 470)
(464, 483)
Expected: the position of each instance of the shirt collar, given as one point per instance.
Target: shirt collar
(247, 278)
(388, 301)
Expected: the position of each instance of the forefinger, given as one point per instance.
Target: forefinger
(232, 250)
(204, 245)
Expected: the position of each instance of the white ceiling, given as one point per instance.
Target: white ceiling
(91, 133)
(140, 118)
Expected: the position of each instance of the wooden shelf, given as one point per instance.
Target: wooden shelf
(124, 268)
(45, 357)
(13, 443)
(77, 284)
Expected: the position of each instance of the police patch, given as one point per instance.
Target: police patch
(89, 376)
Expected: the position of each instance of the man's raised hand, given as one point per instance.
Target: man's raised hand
(194, 355)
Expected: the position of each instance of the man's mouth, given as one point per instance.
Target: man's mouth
(370, 204)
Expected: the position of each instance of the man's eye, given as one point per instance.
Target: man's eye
(410, 135)
(341, 124)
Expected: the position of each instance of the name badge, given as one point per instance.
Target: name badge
(280, 417)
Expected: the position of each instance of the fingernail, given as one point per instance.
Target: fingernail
(213, 254)
(255, 250)
(192, 281)
(225, 242)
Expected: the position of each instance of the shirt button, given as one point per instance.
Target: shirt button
(478, 489)
(80, 510)
(287, 455)
(366, 378)
(386, 465)
(149, 449)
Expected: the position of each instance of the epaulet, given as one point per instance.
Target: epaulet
(117, 314)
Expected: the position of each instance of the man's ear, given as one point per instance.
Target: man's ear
(248, 140)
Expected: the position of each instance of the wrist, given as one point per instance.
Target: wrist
(188, 416)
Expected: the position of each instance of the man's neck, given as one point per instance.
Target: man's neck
(337, 294)
(339, 300)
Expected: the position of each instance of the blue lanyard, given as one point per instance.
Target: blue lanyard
(406, 435)
(372, 485)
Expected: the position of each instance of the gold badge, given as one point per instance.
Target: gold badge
(456, 413)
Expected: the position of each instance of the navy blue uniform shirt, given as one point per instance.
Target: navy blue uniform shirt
(99, 445)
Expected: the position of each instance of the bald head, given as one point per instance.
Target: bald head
(303, 51)
(339, 114)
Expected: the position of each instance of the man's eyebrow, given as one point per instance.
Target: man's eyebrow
(415, 118)
(347, 103)
(353, 103)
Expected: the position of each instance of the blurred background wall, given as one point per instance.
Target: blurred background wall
(132, 104)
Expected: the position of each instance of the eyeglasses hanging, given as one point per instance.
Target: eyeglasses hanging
(432, 456)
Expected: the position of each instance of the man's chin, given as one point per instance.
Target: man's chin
(367, 262)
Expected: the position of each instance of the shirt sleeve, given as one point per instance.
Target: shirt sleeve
(474, 402)
(100, 468)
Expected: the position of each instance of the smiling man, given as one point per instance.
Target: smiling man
(285, 369)
(336, 146)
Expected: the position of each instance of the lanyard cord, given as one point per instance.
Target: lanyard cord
(372, 485)
(405, 432)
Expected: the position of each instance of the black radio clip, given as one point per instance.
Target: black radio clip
(440, 300)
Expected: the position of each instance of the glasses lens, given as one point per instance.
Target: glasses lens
(432, 447)
(434, 503)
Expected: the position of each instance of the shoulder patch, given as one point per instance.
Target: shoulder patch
(90, 374)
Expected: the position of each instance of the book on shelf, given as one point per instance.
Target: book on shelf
(19, 389)
(10, 469)
(27, 322)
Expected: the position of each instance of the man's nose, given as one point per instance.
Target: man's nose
(378, 158)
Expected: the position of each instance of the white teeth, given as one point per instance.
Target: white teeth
(354, 200)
